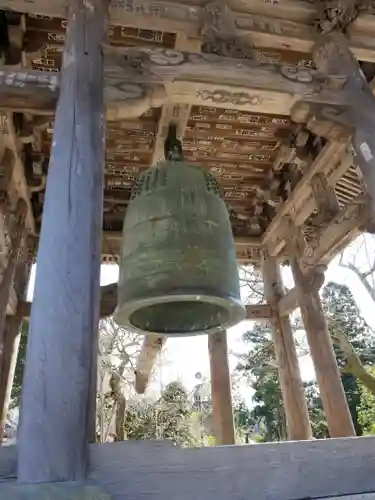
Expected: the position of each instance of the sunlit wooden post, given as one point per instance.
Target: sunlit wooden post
(331, 390)
(11, 342)
(17, 230)
(222, 410)
(296, 411)
(62, 347)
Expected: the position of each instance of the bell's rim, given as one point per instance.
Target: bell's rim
(235, 309)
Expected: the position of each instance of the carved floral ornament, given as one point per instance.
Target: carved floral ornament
(225, 97)
(142, 60)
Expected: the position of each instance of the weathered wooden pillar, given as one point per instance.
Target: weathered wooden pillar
(11, 342)
(332, 56)
(327, 372)
(221, 394)
(296, 411)
(17, 232)
(62, 347)
(8, 365)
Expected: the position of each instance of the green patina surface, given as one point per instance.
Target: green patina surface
(52, 491)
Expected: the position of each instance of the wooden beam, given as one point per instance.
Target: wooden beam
(328, 242)
(17, 233)
(332, 160)
(333, 173)
(7, 367)
(11, 343)
(296, 411)
(151, 348)
(289, 24)
(11, 161)
(30, 91)
(258, 312)
(235, 83)
(61, 366)
(152, 343)
(335, 405)
(221, 393)
(178, 114)
(325, 197)
(342, 229)
(333, 56)
(176, 77)
(248, 247)
(288, 303)
(108, 303)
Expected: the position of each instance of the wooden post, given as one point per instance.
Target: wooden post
(327, 372)
(11, 342)
(296, 411)
(62, 349)
(222, 411)
(8, 365)
(17, 233)
(333, 56)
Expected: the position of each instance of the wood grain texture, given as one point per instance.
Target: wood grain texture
(62, 348)
(136, 470)
(284, 471)
(295, 406)
(55, 491)
(331, 390)
(221, 391)
(17, 232)
(332, 54)
(287, 24)
(298, 202)
(151, 348)
(8, 366)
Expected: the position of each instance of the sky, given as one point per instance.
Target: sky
(184, 357)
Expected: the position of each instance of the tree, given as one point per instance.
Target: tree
(118, 350)
(267, 419)
(243, 420)
(317, 417)
(260, 368)
(366, 410)
(170, 417)
(346, 322)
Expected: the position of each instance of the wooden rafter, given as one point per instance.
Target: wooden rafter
(290, 24)
(332, 160)
(177, 77)
(248, 248)
(342, 229)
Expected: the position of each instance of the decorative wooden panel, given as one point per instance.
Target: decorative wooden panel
(239, 148)
(46, 35)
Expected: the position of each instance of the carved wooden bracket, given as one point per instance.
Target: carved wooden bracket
(331, 122)
(220, 34)
(337, 15)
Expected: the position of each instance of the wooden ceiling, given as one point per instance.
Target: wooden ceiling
(246, 151)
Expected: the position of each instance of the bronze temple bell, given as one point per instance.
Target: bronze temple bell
(178, 269)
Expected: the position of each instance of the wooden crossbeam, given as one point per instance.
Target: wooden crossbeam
(248, 247)
(178, 78)
(287, 24)
(334, 161)
(343, 228)
(108, 303)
